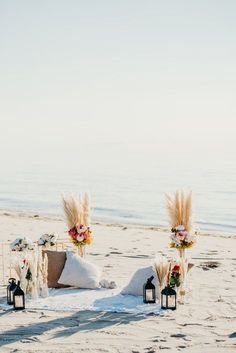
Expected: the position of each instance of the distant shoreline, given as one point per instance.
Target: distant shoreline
(57, 217)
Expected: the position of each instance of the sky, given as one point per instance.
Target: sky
(78, 76)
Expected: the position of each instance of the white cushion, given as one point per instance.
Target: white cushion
(79, 273)
(135, 286)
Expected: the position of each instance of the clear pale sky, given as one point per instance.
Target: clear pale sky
(160, 73)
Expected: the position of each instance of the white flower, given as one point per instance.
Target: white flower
(30, 246)
(80, 238)
(54, 238)
(47, 238)
(173, 237)
(81, 229)
(21, 244)
(180, 228)
(189, 238)
(175, 240)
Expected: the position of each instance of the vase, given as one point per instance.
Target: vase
(184, 269)
(82, 250)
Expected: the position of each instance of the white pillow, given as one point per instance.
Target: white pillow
(79, 273)
(135, 286)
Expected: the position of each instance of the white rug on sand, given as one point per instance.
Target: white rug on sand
(109, 300)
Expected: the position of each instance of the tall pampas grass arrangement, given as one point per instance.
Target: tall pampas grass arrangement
(33, 266)
(162, 269)
(179, 209)
(21, 266)
(77, 214)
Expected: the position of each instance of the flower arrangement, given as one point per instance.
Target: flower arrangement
(30, 267)
(181, 238)
(26, 265)
(22, 244)
(47, 240)
(77, 214)
(179, 209)
(80, 235)
(175, 276)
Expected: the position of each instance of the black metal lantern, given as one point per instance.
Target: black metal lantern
(168, 298)
(10, 288)
(18, 298)
(149, 292)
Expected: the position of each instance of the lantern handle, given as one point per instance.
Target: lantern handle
(10, 280)
(150, 279)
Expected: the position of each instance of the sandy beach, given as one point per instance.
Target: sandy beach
(205, 323)
(117, 135)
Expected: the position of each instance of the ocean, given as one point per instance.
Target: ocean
(126, 185)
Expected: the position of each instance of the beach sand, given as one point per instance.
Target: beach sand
(205, 323)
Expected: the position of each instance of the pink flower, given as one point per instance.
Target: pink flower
(81, 228)
(181, 235)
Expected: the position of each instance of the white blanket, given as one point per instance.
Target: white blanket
(108, 300)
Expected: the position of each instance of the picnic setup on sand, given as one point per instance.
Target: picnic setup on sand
(56, 275)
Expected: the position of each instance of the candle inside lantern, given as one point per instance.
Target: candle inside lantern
(19, 301)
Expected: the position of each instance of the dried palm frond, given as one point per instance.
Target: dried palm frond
(187, 214)
(171, 210)
(17, 268)
(44, 270)
(179, 209)
(162, 269)
(86, 209)
(72, 211)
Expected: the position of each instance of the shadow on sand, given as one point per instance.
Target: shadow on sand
(83, 321)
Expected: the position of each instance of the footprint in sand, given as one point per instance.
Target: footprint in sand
(164, 347)
(30, 340)
(178, 335)
(137, 256)
(150, 350)
(209, 265)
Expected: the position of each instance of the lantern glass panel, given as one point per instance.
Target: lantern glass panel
(18, 298)
(171, 301)
(11, 296)
(19, 301)
(168, 298)
(10, 288)
(149, 295)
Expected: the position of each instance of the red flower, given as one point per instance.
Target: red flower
(73, 232)
(176, 268)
